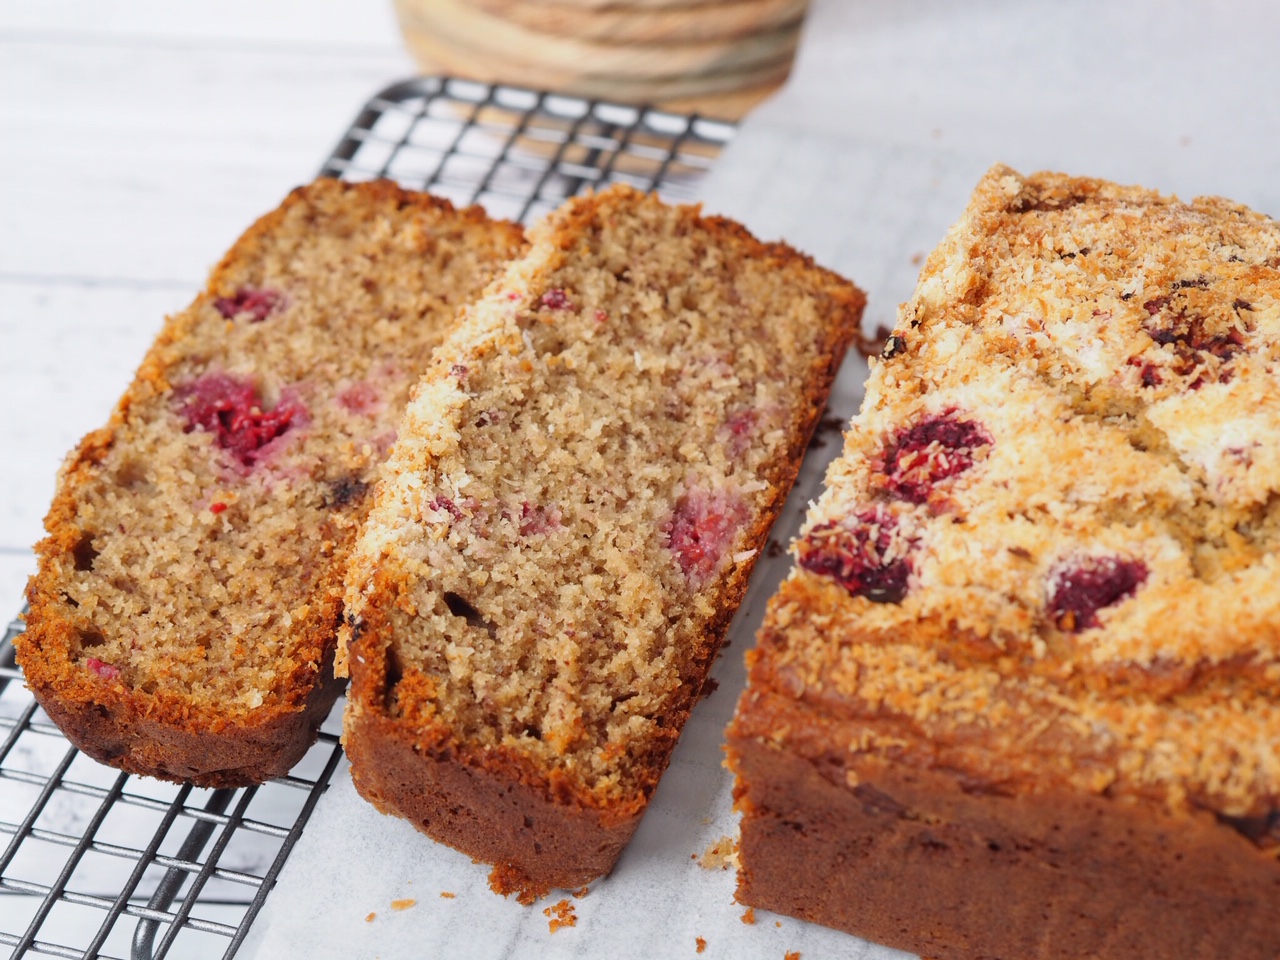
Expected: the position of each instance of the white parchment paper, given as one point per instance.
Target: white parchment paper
(894, 111)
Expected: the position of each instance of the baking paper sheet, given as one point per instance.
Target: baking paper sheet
(894, 112)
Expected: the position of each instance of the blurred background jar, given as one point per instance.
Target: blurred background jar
(716, 57)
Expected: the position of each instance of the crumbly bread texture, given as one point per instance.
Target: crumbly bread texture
(575, 502)
(1021, 695)
(184, 617)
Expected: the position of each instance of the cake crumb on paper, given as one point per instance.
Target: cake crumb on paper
(447, 895)
(826, 427)
(749, 917)
(721, 855)
(778, 924)
(370, 917)
(712, 683)
(564, 916)
(404, 904)
(701, 942)
(581, 892)
(791, 955)
(506, 879)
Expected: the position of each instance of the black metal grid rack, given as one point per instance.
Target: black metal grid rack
(99, 863)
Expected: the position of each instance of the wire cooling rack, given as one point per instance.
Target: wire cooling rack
(99, 863)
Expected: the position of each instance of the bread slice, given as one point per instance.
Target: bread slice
(183, 619)
(1021, 695)
(575, 502)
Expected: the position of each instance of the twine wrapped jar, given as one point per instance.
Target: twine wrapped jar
(718, 57)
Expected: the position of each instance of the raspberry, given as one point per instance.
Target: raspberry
(741, 428)
(866, 553)
(1198, 335)
(1078, 589)
(535, 520)
(1200, 345)
(1148, 371)
(929, 452)
(231, 410)
(255, 303)
(742, 422)
(361, 398)
(556, 300)
(104, 670)
(700, 531)
(446, 505)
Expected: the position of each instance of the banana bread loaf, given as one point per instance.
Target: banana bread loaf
(183, 620)
(1021, 695)
(567, 523)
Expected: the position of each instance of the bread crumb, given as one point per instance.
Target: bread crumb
(404, 904)
(369, 918)
(721, 855)
(791, 955)
(702, 943)
(826, 427)
(581, 892)
(506, 879)
(750, 916)
(447, 894)
(564, 916)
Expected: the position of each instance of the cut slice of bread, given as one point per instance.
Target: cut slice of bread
(568, 520)
(183, 618)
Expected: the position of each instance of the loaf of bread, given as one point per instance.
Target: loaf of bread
(184, 617)
(578, 494)
(1021, 695)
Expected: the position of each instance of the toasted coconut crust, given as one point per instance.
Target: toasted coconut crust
(1021, 693)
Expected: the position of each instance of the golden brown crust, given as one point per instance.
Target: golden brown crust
(184, 614)
(166, 738)
(1036, 592)
(521, 577)
(917, 859)
(537, 827)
